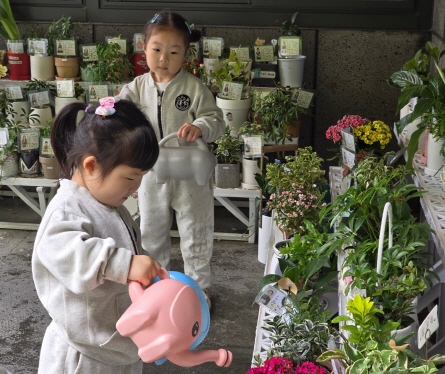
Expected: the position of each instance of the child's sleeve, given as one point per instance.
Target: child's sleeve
(79, 260)
(209, 117)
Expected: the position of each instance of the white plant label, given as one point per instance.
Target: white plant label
(428, 326)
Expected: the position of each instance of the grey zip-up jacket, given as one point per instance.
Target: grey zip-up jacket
(185, 99)
(80, 265)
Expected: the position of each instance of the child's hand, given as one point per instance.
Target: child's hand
(143, 269)
(189, 132)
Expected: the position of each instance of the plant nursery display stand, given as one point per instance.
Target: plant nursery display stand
(222, 195)
(17, 186)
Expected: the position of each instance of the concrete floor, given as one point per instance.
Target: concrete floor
(23, 320)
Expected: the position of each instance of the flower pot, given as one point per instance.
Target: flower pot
(227, 176)
(275, 265)
(21, 113)
(67, 67)
(291, 71)
(140, 64)
(60, 102)
(29, 162)
(41, 116)
(50, 167)
(9, 167)
(434, 159)
(87, 75)
(249, 169)
(235, 112)
(19, 66)
(42, 67)
(264, 237)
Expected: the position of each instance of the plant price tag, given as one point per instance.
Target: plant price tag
(272, 299)
(427, 328)
(303, 98)
(4, 137)
(232, 90)
(65, 88)
(347, 140)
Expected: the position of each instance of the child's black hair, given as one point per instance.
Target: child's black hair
(123, 138)
(166, 20)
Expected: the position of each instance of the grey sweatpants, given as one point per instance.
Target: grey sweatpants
(194, 209)
(57, 357)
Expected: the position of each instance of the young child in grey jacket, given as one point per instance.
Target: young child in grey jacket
(88, 246)
(176, 102)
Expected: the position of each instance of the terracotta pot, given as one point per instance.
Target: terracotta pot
(67, 67)
(50, 167)
(19, 66)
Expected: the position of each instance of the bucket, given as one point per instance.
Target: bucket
(235, 112)
(140, 64)
(19, 66)
(291, 71)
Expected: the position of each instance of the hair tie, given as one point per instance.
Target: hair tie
(106, 107)
(190, 30)
(86, 109)
(153, 20)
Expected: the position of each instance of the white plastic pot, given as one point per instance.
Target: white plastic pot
(235, 112)
(291, 71)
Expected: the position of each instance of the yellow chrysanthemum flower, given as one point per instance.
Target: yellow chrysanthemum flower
(3, 70)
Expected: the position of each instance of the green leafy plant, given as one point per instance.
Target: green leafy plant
(58, 30)
(277, 112)
(369, 347)
(301, 333)
(231, 69)
(289, 27)
(112, 66)
(9, 29)
(227, 148)
(35, 84)
(429, 87)
(303, 169)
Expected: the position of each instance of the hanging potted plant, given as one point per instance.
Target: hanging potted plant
(62, 43)
(429, 92)
(227, 151)
(18, 59)
(231, 84)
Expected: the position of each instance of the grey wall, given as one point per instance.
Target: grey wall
(347, 68)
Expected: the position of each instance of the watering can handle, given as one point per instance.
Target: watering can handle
(200, 141)
(136, 290)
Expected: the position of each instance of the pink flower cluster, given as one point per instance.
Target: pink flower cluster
(295, 206)
(279, 365)
(349, 120)
(308, 367)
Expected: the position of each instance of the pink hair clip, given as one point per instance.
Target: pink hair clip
(106, 107)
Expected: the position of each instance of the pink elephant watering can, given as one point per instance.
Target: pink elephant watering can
(168, 320)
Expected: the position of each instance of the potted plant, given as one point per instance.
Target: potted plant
(69, 92)
(230, 82)
(369, 346)
(62, 43)
(280, 116)
(18, 59)
(297, 338)
(252, 134)
(227, 151)
(50, 165)
(290, 58)
(429, 91)
(9, 166)
(112, 66)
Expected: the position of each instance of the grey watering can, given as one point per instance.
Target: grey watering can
(184, 162)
